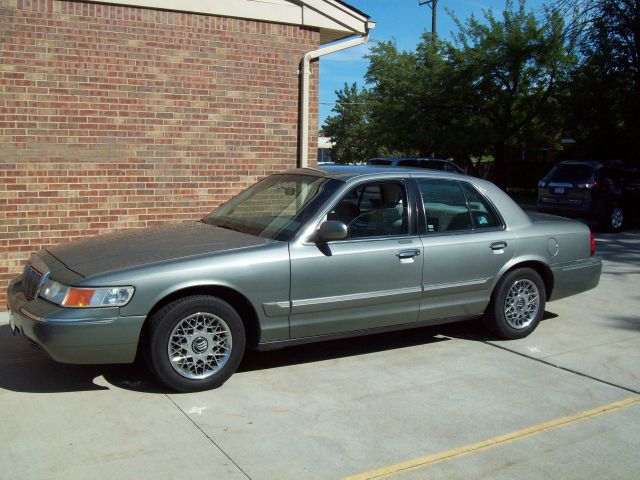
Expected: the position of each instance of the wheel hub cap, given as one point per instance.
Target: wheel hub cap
(199, 346)
(521, 304)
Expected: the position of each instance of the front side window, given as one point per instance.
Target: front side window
(373, 210)
(275, 207)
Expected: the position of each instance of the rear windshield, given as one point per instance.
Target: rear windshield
(574, 172)
(379, 161)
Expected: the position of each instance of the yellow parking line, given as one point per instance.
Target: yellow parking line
(457, 452)
(15, 361)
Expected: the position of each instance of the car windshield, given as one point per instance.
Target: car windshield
(569, 171)
(379, 161)
(275, 207)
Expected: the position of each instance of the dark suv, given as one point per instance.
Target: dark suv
(417, 162)
(599, 192)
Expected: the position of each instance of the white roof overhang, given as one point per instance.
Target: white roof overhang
(335, 19)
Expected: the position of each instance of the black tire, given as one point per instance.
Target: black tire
(613, 220)
(495, 318)
(216, 326)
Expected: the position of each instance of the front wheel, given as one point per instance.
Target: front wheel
(195, 343)
(517, 304)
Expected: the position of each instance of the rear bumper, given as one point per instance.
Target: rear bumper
(589, 210)
(575, 277)
(81, 336)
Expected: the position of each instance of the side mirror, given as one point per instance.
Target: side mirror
(332, 230)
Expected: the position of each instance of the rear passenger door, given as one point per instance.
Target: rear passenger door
(465, 245)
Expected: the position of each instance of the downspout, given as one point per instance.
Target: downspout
(303, 160)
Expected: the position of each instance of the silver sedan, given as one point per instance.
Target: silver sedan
(301, 256)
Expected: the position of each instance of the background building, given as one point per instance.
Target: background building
(136, 113)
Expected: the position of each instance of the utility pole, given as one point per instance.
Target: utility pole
(432, 5)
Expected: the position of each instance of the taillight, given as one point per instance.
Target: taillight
(593, 242)
(587, 186)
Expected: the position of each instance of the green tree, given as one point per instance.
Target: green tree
(349, 128)
(603, 99)
(392, 99)
(509, 72)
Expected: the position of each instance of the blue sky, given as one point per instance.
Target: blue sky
(402, 20)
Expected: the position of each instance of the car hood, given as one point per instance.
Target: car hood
(133, 248)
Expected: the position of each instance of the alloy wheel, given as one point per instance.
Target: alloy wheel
(617, 217)
(199, 346)
(521, 304)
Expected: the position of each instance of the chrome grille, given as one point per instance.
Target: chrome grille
(31, 279)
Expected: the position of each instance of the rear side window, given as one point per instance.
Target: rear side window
(379, 161)
(453, 207)
(434, 165)
(445, 206)
(482, 214)
(409, 163)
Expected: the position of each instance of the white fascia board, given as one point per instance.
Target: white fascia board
(270, 11)
(350, 19)
(321, 14)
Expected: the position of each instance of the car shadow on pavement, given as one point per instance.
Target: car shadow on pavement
(627, 323)
(348, 347)
(26, 369)
(474, 330)
(23, 368)
(621, 248)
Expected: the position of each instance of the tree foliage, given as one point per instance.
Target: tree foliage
(506, 83)
(348, 128)
(603, 99)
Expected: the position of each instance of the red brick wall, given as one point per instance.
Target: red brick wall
(114, 117)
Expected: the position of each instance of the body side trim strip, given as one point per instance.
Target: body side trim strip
(354, 300)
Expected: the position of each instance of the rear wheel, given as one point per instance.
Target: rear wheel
(614, 219)
(517, 304)
(195, 343)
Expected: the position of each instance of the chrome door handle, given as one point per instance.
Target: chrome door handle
(407, 253)
(498, 245)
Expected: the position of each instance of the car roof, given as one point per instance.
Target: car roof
(593, 163)
(347, 173)
(410, 158)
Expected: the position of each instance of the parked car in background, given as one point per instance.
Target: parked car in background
(604, 193)
(417, 162)
(302, 256)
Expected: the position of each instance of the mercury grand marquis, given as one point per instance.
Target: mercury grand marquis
(301, 256)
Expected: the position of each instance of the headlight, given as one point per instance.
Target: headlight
(86, 297)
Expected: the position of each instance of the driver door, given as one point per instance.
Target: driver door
(373, 278)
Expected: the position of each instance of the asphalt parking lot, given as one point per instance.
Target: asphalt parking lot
(440, 402)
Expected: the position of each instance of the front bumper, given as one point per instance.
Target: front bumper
(575, 277)
(74, 335)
